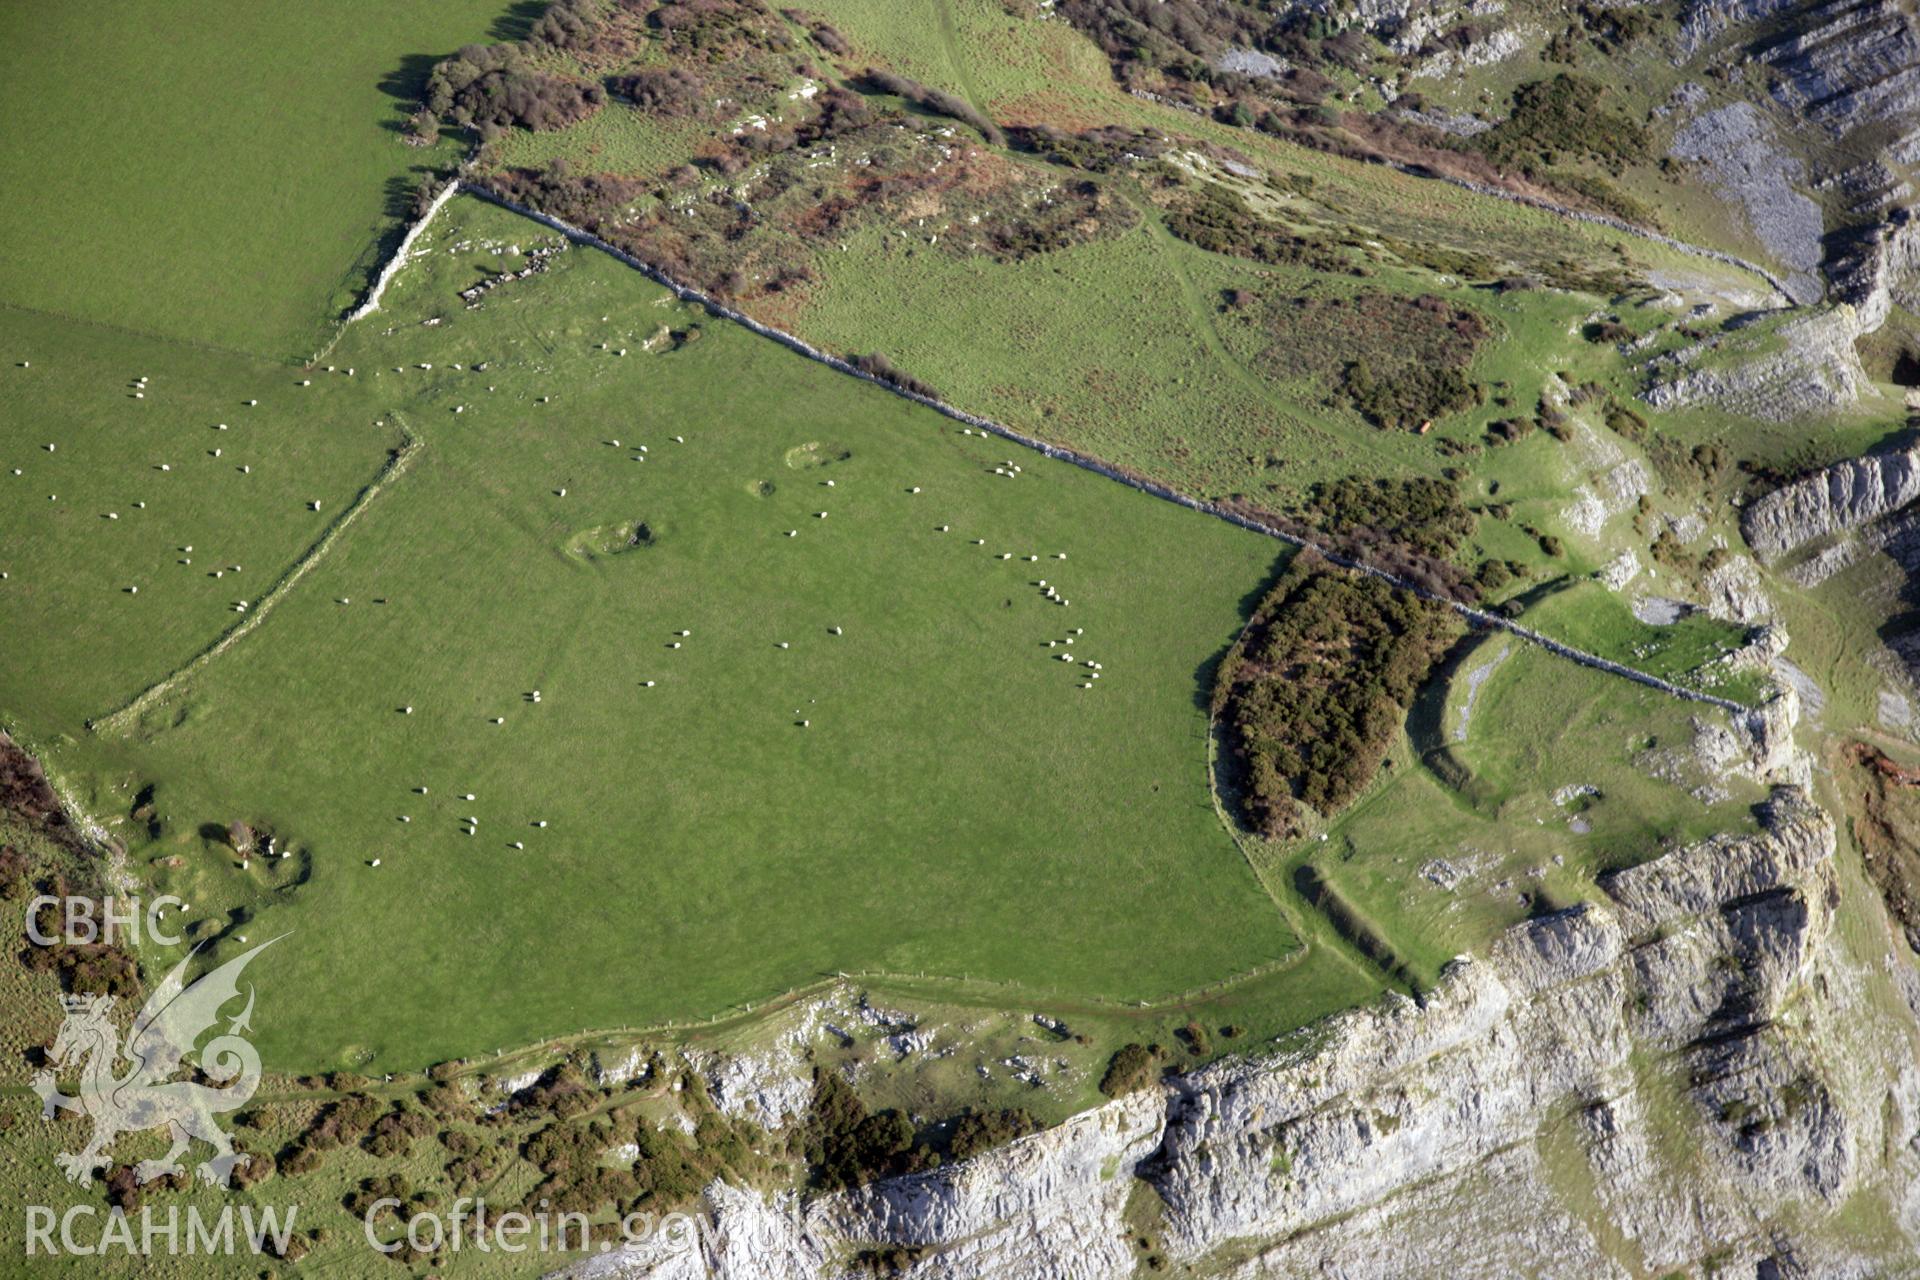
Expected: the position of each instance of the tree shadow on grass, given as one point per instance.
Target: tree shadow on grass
(1205, 675)
(517, 22)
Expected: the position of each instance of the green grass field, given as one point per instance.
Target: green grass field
(958, 804)
(1522, 777)
(219, 173)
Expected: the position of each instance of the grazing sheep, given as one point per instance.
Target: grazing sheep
(646, 684)
(374, 863)
(793, 533)
(517, 844)
(782, 645)
(406, 711)
(915, 489)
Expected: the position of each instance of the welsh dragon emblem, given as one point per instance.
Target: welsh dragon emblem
(128, 1088)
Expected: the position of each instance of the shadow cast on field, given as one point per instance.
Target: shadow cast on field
(517, 22)
(1205, 675)
(407, 83)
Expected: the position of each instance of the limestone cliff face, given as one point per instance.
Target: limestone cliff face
(1686, 1067)
(1847, 496)
(1659, 1017)
(1808, 366)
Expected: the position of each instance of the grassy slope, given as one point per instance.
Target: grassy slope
(1533, 726)
(220, 173)
(958, 805)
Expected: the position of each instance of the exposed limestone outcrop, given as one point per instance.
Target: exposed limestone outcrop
(1844, 497)
(1806, 365)
(1749, 167)
(1879, 269)
(1676, 1070)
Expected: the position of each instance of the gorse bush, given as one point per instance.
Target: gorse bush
(1566, 117)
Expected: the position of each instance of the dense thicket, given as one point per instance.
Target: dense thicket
(1314, 689)
(1218, 220)
(1422, 513)
(495, 87)
(1566, 118)
(666, 91)
(567, 24)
